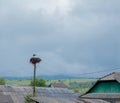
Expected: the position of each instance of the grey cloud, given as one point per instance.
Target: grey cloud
(88, 37)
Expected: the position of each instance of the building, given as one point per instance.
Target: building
(65, 100)
(58, 85)
(15, 94)
(106, 88)
(5, 99)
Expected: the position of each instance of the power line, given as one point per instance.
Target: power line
(95, 72)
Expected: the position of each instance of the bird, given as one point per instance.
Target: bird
(34, 54)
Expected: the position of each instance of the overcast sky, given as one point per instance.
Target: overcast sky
(70, 36)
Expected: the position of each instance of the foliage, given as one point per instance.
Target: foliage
(28, 99)
(39, 82)
(76, 90)
(81, 85)
(2, 81)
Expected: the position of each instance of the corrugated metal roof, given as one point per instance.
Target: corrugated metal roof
(14, 94)
(5, 99)
(18, 93)
(112, 76)
(93, 101)
(44, 99)
(102, 95)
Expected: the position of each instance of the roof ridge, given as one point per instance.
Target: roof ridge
(111, 76)
(107, 75)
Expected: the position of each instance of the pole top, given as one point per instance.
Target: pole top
(35, 59)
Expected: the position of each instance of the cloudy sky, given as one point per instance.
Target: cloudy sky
(70, 36)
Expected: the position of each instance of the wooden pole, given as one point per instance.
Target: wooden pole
(34, 86)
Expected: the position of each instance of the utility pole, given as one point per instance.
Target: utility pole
(34, 60)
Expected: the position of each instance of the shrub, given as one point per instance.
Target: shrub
(28, 99)
(2, 81)
(39, 82)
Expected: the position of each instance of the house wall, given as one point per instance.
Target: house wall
(106, 87)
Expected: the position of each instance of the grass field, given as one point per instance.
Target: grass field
(17, 82)
(77, 85)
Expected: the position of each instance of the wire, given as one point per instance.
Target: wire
(105, 70)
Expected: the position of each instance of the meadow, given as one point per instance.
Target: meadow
(77, 85)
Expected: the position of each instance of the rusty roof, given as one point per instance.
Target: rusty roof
(59, 85)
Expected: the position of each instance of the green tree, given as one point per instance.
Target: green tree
(2, 81)
(39, 82)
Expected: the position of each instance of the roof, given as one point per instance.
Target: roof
(112, 76)
(59, 85)
(5, 99)
(16, 94)
(43, 99)
(102, 96)
(115, 76)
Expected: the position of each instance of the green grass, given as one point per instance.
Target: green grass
(17, 82)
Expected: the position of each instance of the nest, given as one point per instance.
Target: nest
(35, 60)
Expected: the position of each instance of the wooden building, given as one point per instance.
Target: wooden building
(106, 88)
